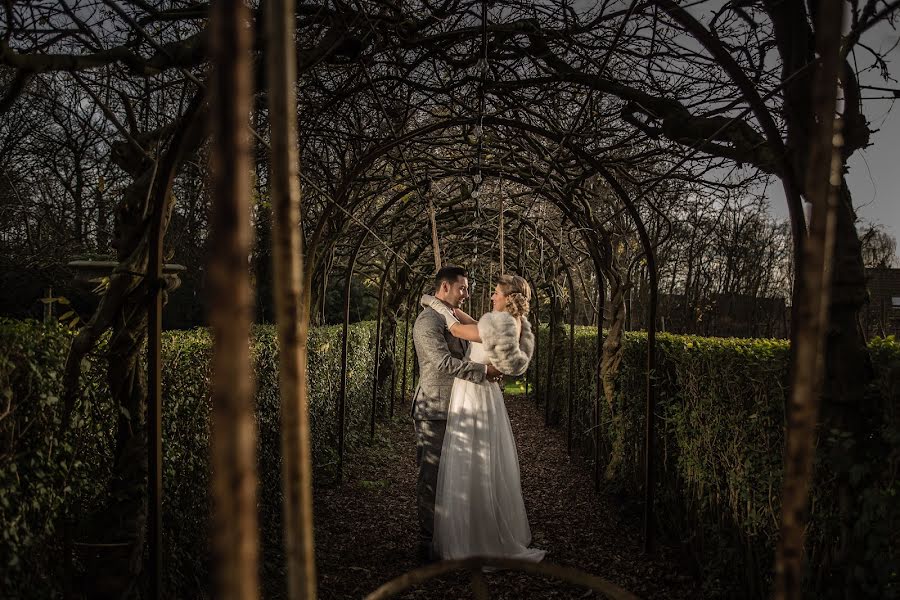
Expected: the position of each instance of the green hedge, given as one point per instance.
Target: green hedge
(721, 407)
(45, 476)
(721, 417)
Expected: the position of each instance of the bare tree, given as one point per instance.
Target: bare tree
(879, 248)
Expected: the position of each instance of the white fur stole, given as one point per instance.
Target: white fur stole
(505, 348)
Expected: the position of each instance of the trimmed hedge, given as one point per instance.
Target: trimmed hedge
(719, 454)
(721, 405)
(45, 476)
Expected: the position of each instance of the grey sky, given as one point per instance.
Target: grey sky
(874, 173)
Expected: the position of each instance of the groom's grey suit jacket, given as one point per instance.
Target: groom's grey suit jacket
(441, 359)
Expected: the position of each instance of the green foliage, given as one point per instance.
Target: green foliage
(45, 473)
(363, 300)
(47, 478)
(720, 405)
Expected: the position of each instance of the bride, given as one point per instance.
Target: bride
(478, 507)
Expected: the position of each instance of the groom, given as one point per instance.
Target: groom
(441, 359)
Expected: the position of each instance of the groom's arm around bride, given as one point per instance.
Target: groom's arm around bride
(441, 358)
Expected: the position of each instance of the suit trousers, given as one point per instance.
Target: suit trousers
(429, 442)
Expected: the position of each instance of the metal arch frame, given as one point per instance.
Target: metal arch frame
(631, 208)
(342, 397)
(474, 566)
(570, 405)
(593, 249)
(378, 332)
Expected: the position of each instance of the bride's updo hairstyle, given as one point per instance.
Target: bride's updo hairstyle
(518, 294)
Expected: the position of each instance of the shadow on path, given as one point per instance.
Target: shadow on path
(366, 528)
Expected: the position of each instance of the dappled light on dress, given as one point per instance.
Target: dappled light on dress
(479, 509)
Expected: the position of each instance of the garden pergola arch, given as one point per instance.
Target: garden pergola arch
(363, 163)
(621, 194)
(420, 44)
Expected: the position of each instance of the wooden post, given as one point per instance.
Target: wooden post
(500, 231)
(292, 325)
(650, 407)
(48, 305)
(234, 527)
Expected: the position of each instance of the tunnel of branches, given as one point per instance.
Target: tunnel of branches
(562, 141)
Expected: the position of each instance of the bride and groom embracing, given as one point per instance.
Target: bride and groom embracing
(469, 493)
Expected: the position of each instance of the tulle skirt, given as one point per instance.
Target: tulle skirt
(479, 509)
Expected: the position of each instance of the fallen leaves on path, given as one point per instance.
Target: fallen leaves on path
(366, 529)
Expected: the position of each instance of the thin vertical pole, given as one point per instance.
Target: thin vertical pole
(650, 409)
(393, 366)
(377, 367)
(601, 299)
(537, 348)
(406, 352)
(234, 527)
(501, 233)
(435, 240)
(549, 379)
(287, 259)
(155, 284)
(570, 392)
(48, 305)
(342, 394)
(345, 344)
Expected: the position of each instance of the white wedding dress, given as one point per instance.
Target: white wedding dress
(478, 506)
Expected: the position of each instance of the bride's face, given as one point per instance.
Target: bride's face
(499, 299)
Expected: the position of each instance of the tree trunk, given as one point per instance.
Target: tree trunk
(811, 308)
(848, 370)
(610, 362)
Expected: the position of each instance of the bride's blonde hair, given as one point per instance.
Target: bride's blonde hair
(518, 294)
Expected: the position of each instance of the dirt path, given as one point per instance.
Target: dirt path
(366, 527)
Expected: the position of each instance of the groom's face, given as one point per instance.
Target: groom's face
(456, 292)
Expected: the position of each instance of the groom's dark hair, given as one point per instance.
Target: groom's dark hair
(450, 274)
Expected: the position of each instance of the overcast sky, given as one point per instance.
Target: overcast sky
(874, 175)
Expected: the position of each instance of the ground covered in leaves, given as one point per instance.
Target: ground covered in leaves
(366, 527)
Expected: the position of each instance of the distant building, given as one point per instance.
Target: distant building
(881, 316)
